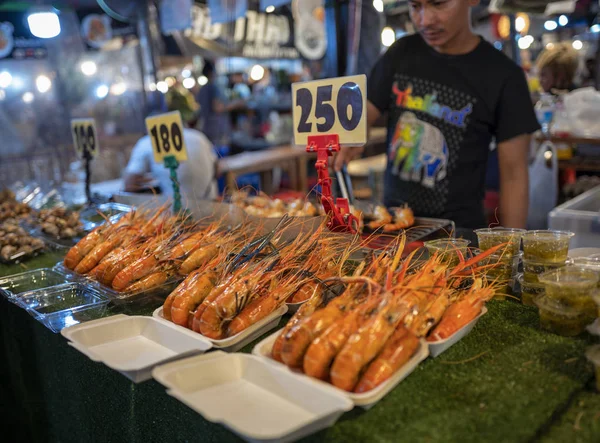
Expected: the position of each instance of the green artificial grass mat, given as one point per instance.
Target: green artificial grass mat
(506, 381)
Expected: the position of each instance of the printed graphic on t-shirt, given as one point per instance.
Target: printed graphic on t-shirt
(431, 120)
(418, 151)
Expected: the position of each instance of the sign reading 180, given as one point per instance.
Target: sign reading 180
(166, 136)
(331, 106)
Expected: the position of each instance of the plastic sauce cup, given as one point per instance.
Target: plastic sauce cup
(560, 319)
(572, 286)
(530, 291)
(448, 249)
(533, 269)
(546, 246)
(490, 237)
(502, 269)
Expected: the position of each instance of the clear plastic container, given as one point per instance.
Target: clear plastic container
(530, 291)
(500, 269)
(561, 319)
(593, 354)
(589, 263)
(95, 216)
(122, 297)
(448, 249)
(546, 246)
(573, 287)
(73, 295)
(533, 269)
(15, 285)
(579, 215)
(490, 237)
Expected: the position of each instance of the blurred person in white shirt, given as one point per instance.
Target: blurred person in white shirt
(196, 176)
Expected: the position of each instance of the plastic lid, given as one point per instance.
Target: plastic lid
(535, 286)
(586, 262)
(572, 276)
(548, 234)
(549, 265)
(448, 243)
(499, 230)
(556, 307)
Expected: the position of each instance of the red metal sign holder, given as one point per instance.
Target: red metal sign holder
(340, 217)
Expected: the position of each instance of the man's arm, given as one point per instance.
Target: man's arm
(220, 106)
(349, 153)
(135, 177)
(514, 181)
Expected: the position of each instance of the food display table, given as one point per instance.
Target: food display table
(506, 381)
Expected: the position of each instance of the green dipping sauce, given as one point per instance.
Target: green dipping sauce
(546, 246)
(565, 325)
(573, 298)
(511, 249)
(527, 298)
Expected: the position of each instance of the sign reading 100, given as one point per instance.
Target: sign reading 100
(166, 136)
(331, 106)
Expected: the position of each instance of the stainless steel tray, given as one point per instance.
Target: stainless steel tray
(423, 229)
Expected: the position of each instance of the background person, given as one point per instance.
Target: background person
(196, 175)
(215, 120)
(557, 67)
(447, 93)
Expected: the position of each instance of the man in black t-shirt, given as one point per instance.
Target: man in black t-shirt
(447, 93)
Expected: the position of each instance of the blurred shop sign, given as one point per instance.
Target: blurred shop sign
(264, 36)
(16, 41)
(175, 15)
(562, 7)
(98, 30)
(225, 11)
(395, 6)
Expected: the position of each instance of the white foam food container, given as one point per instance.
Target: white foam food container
(367, 399)
(133, 345)
(238, 341)
(258, 401)
(438, 347)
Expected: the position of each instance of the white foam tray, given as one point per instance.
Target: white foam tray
(258, 401)
(367, 399)
(133, 345)
(594, 328)
(238, 341)
(438, 347)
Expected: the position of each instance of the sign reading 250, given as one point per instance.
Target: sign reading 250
(331, 106)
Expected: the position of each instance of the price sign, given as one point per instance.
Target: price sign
(331, 106)
(166, 134)
(85, 138)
